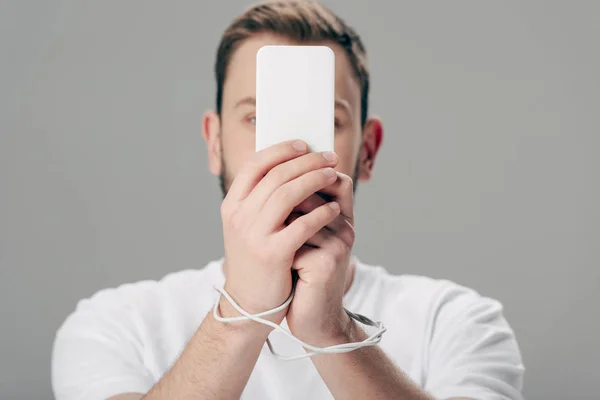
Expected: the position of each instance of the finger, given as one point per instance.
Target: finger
(330, 243)
(261, 163)
(306, 226)
(281, 203)
(317, 239)
(321, 238)
(286, 172)
(310, 203)
(292, 217)
(340, 226)
(342, 191)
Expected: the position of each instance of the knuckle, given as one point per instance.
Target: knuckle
(338, 249)
(283, 194)
(346, 181)
(304, 226)
(328, 260)
(275, 175)
(236, 220)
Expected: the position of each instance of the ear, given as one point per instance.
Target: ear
(371, 141)
(211, 130)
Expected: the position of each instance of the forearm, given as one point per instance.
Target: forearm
(216, 363)
(365, 373)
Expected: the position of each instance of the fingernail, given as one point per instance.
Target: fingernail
(334, 206)
(299, 145)
(330, 156)
(329, 172)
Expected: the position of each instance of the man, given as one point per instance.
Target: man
(160, 340)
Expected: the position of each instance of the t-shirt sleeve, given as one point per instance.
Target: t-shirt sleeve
(97, 351)
(473, 352)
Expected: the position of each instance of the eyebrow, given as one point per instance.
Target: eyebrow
(344, 105)
(251, 101)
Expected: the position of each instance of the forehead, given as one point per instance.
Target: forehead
(240, 79)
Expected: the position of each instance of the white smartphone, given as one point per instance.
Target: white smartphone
(295, 96)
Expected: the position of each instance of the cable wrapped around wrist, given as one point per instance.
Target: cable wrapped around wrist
(314, 350)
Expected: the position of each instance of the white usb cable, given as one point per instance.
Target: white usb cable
(339, 348)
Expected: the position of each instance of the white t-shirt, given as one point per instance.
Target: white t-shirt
(446, 338)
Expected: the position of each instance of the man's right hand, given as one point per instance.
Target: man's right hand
(259, 246)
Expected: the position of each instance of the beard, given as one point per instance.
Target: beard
(225, 179)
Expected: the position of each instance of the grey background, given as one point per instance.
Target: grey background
(487, 175)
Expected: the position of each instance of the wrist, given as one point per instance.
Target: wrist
(239, 331)
(341, 329)
(256, 302)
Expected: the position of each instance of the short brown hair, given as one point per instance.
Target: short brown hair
(298, 20)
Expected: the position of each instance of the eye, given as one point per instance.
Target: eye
(251, 119)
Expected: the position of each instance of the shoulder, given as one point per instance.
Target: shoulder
(103, 345)
(129, 301)
(130, 314)
(423, 294)
(469, 350)
(428, 293)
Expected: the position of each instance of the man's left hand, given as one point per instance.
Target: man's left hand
(316, 314)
